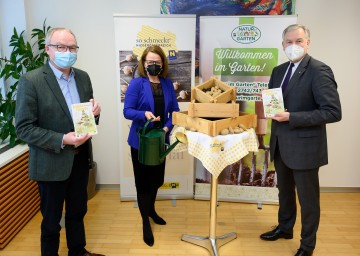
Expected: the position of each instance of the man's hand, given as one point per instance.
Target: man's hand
(71, 139)
(96, 107)
(281, 117)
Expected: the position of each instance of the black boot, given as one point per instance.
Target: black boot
(148, 236)
(152, 213)
(144, 202)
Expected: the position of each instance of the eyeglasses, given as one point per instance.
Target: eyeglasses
(64, 48)
(150, 62)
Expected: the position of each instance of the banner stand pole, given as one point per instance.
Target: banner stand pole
(212, 242)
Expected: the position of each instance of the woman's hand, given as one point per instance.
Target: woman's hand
(149, 115)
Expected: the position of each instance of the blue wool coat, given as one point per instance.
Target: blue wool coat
(139, 99)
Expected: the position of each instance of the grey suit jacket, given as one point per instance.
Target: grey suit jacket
(312, 99)
(42, 118)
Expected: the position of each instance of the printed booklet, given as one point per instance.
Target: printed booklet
(84, 121)
(272, 101)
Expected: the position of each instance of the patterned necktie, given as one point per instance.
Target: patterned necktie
(287, 77)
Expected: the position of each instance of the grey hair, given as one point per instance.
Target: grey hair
(50, 33)
(294, 27)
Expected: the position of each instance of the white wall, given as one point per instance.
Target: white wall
(9, 9)
(334, 40)
(7, 24)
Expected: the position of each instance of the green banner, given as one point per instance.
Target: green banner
(246, 20)
(244, 61)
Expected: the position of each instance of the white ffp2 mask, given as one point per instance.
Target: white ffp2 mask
(294, 52)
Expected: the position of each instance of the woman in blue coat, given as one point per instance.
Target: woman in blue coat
(151, 95)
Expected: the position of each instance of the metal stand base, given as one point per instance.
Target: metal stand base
(211, 242)
(212, 245)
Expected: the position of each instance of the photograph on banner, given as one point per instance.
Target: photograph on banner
(176, 36)
(243, 54)
(222, 8)
(179, 66)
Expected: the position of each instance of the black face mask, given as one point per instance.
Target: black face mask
(154, 69)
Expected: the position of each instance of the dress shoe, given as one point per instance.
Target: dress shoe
(157, 219)
(302, 252)
(86, 253)
(275, 234)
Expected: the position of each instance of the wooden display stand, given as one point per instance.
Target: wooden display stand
(213, 127)
(211, 242)
(228, 94)
(205, 105)
(218, 110)
(210, 115)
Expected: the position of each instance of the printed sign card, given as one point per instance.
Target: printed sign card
(84, 120)
(272, 101)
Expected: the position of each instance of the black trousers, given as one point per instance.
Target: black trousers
(147, 178)
(304, 183)
(73, 192)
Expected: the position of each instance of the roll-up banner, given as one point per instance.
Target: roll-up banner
(242, 51)
(176, 35)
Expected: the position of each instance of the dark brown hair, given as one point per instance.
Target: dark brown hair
(154, 49)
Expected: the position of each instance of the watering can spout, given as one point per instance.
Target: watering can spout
(180, 137)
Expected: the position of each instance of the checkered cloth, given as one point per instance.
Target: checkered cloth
(217, 152)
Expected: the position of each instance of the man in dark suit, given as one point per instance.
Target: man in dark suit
(59, 161)
(298, 143)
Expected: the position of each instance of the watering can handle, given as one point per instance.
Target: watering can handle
(146, 125)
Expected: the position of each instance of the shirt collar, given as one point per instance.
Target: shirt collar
(59, 74)
(298, 63)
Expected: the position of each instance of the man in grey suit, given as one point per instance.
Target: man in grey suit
(58, 161)
(298, 144)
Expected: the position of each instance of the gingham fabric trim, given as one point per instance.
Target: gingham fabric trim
(217, 152)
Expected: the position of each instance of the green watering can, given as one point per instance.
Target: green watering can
(152, 146)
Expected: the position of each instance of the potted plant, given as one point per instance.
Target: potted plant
(25, 56)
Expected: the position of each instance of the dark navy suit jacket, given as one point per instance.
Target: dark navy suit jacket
(139, 99)
(312, 99)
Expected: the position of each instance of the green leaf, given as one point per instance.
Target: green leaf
(25, 56)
